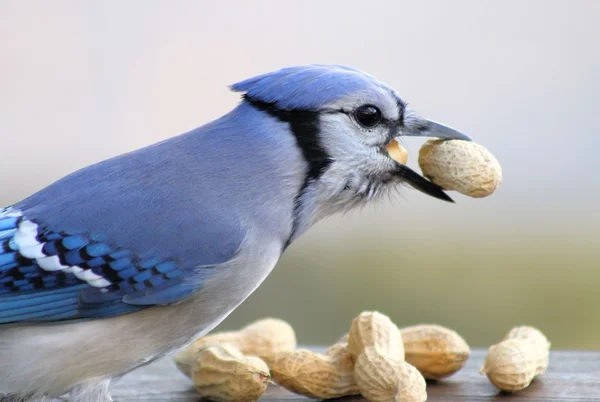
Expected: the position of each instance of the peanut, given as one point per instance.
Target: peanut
(459, 165)
(339, 349)
(380, 371)
(266, 338)
(512, 364)
(316, 375)
(223, 373)
(397, 152)
(435, 351)
(381, 378)
(377, 330)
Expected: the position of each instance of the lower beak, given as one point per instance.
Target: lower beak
(420, 183)
(427, 128)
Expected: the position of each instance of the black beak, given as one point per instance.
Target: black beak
(427, 128)
(420, 183)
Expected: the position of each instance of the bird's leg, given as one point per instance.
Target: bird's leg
(91, 392)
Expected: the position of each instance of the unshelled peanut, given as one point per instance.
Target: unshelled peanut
(267, 338)
(316, 375)
(437, 352)
(339, 349)
(512, 364)
(223, 373)
(462, 166)
(371, 328)
(397, 152)
(381, 378)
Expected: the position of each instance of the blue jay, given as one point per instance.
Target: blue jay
(129, 259)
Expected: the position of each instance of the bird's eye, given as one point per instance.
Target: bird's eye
(367, 116)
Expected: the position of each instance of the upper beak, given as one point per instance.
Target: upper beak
(427, 128)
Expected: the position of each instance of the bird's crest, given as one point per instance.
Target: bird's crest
(307, 87)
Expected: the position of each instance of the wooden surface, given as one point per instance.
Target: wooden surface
(572, 376)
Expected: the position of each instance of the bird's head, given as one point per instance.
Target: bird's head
(343, 119)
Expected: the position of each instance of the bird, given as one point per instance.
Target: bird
(132, 258)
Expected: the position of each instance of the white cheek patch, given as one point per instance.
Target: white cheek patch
(359, 167)
(26, 241)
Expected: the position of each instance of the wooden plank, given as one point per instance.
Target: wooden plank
(572, 376)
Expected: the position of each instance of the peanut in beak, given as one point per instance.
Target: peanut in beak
(397, 152)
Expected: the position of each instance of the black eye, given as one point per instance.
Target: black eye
(367, 115)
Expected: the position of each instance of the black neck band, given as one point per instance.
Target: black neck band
(304, 125)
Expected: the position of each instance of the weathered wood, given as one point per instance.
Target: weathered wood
(572, 376)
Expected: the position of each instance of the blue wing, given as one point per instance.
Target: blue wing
(50, 276)
(144, 228)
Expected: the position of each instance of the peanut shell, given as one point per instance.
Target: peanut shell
(372, 328)
(437, 352)
(339, 349)
(383, 379)
(512, 364)
(315, 375)
(223, 373)
(266, 338)
(463, 166)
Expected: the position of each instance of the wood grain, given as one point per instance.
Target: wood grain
(572, 376)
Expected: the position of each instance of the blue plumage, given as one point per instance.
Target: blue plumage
(8, 260)
(308, 87)
(186, 229)
(28, 292)
(8, 223)
(4, 234)
(116, 235)
(123, 232)
(120, 221)
(117, 221)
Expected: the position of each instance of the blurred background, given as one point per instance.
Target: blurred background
(84, 81)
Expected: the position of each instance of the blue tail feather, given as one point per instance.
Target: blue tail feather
(67, 314)
(41, 314)
(7, 234)
(8, 258)
(9, 223)
(8, 266)
(25, 310)
(35, 305)
(47, 296)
